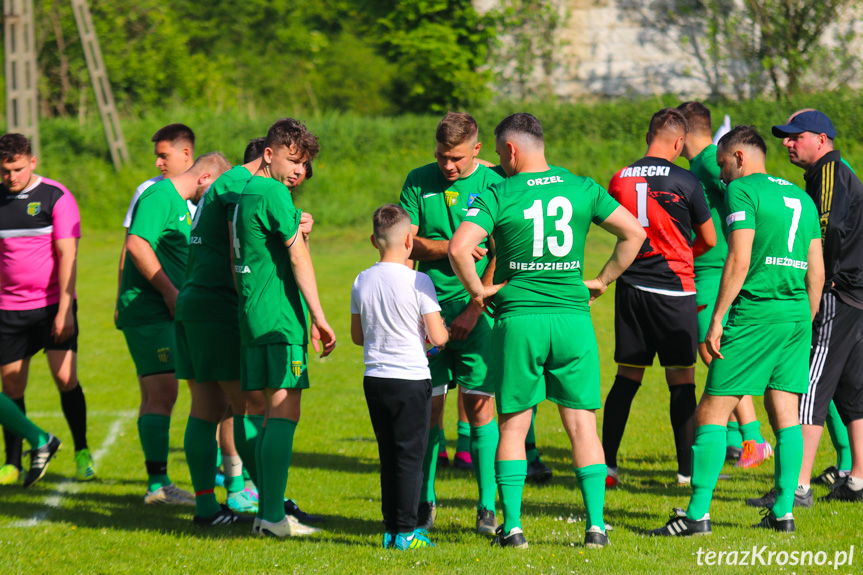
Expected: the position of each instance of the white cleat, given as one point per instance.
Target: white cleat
(287, 527)
(169, 494)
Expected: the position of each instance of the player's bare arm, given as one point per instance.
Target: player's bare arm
(461, 247)
(357, 329)
(630, 237)
(426, 250)
(307, 222)
(733, 276)
(814, 276)
(145, 259)
(304, 273)
(67, 254)
(464, 323)
(705, 238)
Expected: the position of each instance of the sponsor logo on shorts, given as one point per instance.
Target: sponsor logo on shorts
(786, 262)
(544, 266)
(451, 198)
(164, 354)
(34, 208)
(296, 368)
(242, 269)
(545, 180)
(645, 171)
(735, 217)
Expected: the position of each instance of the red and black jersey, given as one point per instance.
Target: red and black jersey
(667, 200)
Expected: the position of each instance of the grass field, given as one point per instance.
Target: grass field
(61, 526)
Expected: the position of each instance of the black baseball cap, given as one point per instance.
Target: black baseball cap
(812, 121)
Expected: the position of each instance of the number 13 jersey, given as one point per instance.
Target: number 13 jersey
(539, 222)
(667, 200)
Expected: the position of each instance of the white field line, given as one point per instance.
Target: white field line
(70, 485)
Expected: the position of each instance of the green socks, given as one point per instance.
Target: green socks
(430, 466)
(13, 418)
(233, 468)
(201, 455)
(483, 445)
(752, 430)
(530, 440)
(789, 458)
(591, 481)
(708, 456)
(247, 428)
(464, 437)
(154, 431)
(734, 438)
(510, 481)
(839, 436)
(276, 450)
(259, 463)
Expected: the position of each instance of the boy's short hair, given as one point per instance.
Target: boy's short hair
(455, 129)
(175, 133)
(387, 219)
(289, 133)
(254, 150)
(14, 145)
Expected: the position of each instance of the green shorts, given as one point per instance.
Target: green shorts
(544, 356)
(208, 351)
(464, 362)
(707, 288)
(275, 366)
(152, 347)
(772, 355)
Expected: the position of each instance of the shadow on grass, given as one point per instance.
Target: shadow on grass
(334, 462)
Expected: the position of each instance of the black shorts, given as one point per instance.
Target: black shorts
(24, 332)
(835, 363)
(648, 324)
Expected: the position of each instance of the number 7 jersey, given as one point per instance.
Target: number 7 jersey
(539, 222)
(667, 200)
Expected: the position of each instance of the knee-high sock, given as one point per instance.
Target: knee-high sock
(682, 410)
(430, 466)
(13, 419)
(789, 459)
(530, 440)
(708, 456)
(464, 437)
(483, 445)
(734, 438)
(14, 441)
(614, 417)
(591, 481)
(154, 431)
(259, 462)
(276, 451)
(201, 448)
(510, 480)
(75, 409)
(247, 428)
(752, 430)
(839, 435)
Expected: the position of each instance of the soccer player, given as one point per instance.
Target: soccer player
(744, 445)
(276, 286)
(39, 230)
(836, 362)
(44, 446)
(437, 197)
(654, 304)
(772, 283)
(546, 347)
(158, 246)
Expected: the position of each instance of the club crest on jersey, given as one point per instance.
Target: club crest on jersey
(451, 198)
(296, 368)
(471, 198)
(34, 208)
(164, 354)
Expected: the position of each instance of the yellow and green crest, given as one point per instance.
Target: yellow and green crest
(34, 208)
(451, 198)
(296, 368)
(164, 354)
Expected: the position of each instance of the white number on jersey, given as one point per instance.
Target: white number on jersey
(557, 205)
(797, 209)
(234, 231)
(641, 204)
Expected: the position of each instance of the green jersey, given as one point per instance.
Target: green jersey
(706, 169)
(271, 308)
(785, 221)
(437, 207)
(162, 218)
(208, 293)
(539, 222)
